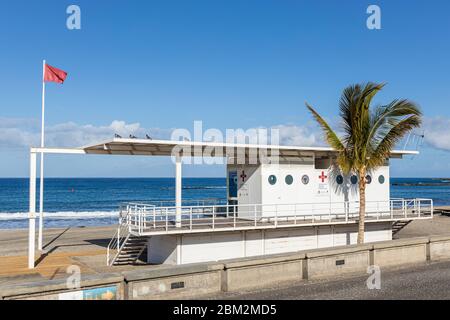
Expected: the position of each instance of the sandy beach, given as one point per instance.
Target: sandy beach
(85, 247)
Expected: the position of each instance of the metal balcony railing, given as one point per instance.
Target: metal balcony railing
(147, 219)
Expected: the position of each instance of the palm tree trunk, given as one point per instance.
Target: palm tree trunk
(362, 204)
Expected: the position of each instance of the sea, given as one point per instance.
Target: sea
(80, 202)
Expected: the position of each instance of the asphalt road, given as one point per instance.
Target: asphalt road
(430, 281)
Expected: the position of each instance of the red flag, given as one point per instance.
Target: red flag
(53, 74)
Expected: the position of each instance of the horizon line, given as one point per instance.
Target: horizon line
(173, 177)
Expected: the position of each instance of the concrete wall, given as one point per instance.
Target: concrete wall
(262, 272)
(439, 248)
(110, 285)
(337, 261)
(200, 280)
(179, 282)
(400, 252)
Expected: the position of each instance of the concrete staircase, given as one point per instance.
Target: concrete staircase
(131, 250)
(399, 225)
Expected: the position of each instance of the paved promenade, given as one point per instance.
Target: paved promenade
(431, 281)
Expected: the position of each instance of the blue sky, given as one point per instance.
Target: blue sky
(151, 66)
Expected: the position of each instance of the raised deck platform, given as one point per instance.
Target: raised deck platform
(140, 220)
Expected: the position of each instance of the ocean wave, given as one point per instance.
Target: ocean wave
(61, 215)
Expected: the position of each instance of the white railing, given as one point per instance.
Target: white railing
(126, 221)
(144, 219)
(184, 203)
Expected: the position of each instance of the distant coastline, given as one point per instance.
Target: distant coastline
(422, 182)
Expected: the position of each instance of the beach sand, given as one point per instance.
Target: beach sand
(86, 247)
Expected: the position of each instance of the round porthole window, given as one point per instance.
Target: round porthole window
(272, 179)
(354, 179)
(339, 179)
(381, 179)
(305, 179)
(368, 179)
(289, 179)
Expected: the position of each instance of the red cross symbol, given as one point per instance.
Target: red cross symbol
(243, 176)
(323, 176)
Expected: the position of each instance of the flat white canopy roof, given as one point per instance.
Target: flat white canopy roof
(120, 146)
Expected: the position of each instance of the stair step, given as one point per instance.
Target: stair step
(125, 257)
(131, 250)
(399, 225)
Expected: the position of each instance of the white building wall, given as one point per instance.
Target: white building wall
(319, 196)
(239, 244)
(344, 235)
(210, 247)
(249, 189)
(281, 241)
(254, 246)
(162, 250)
(285, 195)
(377, 194)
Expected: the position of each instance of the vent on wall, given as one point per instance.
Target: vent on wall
(177, 285)
(340, 262)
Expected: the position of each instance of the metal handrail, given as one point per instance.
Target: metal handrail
(117, 242)
(120, 237)
(147, 219)
(171, 202)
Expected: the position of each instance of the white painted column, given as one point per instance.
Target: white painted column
(41, 177)
(41, 204)
(178, 188)
(32, 212)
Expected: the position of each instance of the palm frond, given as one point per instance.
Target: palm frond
(330, 136)
(368, 136)
(392, 137)
(382, 115)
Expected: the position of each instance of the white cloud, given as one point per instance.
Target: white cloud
(303, 136)
(19, 133)
(437, 132)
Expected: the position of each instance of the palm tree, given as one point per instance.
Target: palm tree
(368, 134)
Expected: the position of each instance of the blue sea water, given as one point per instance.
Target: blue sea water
(95, 201)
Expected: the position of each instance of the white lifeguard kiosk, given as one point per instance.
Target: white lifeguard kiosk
(297, 203)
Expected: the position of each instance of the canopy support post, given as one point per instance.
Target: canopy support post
(178, 188)
(32, 212)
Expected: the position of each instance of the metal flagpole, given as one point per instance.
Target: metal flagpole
(41, 180)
